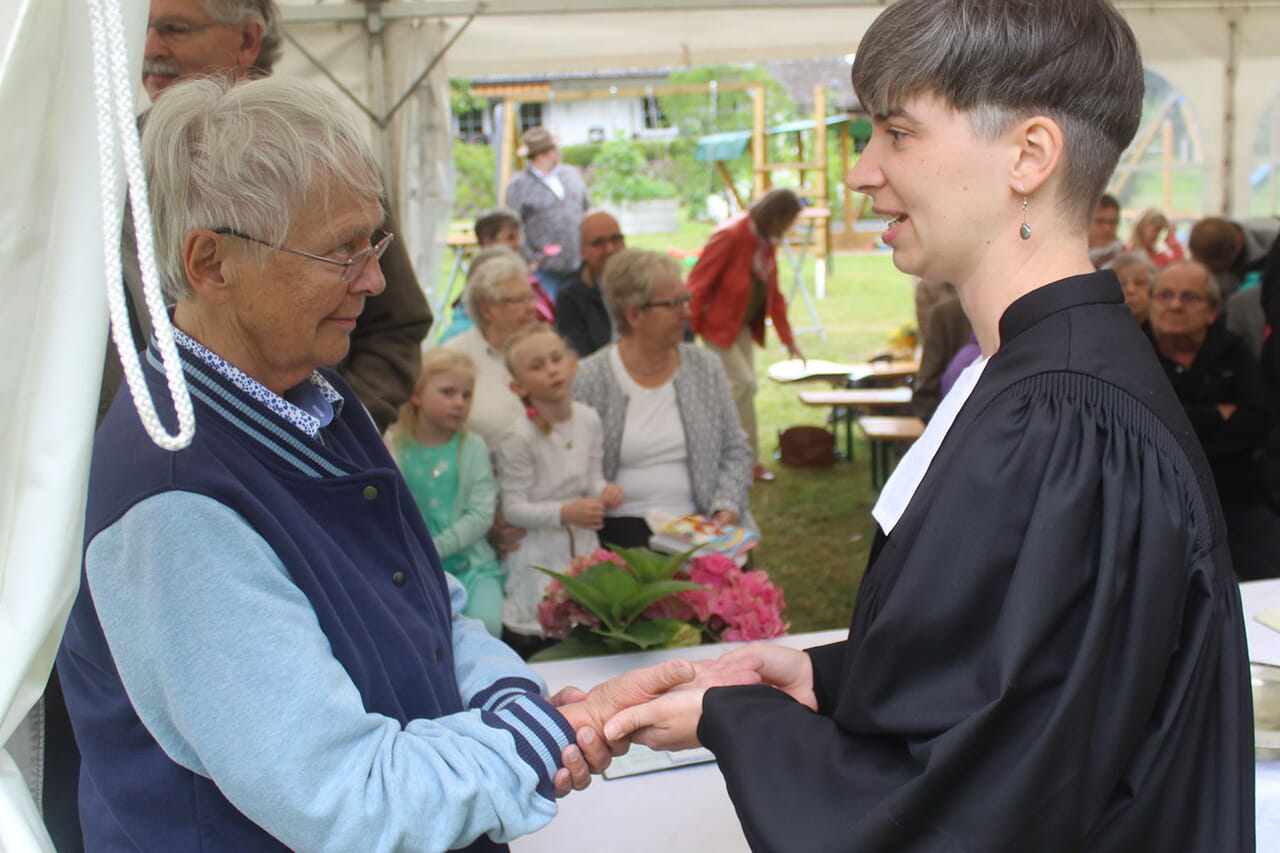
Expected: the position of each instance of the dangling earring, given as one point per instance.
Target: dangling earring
(1025, 231)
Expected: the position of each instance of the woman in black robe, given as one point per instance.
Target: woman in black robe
(1047, 652)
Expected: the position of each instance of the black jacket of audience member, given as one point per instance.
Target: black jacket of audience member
(1224, 371)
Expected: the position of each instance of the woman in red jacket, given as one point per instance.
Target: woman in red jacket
(734, 287)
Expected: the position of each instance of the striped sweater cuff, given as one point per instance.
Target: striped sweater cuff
(539, 730)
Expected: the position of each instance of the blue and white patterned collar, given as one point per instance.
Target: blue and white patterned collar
(321, 400)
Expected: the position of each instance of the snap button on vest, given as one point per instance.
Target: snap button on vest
(399, 579)
(370, 492)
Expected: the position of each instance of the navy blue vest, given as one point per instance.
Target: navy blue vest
(345, 526)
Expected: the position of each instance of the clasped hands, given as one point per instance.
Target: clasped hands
(660, 706)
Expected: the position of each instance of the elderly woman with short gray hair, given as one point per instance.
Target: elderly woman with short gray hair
(672, 437)
(265, 652)
(500, 300)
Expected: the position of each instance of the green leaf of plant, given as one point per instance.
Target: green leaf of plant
(651, 593)
(582, 642)
(587, 590)
(657, 634)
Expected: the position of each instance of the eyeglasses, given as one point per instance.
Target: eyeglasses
(351, 267)
(609, 240)
(1167, 297)
(675, 304)
(181, 30)
(517, 300)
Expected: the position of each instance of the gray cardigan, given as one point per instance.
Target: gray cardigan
(719, 456)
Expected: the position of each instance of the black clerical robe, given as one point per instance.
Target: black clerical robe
(1047, 653)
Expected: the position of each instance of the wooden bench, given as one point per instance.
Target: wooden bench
(847, 404)
(886, 434)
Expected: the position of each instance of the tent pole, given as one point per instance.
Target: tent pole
(378, 93)
(1229, 115)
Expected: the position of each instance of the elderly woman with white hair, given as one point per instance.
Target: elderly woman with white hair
(500, 300)
(265, 653)
(672, 439)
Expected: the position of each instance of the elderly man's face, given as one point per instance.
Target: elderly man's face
(601, 240)
(183, 38)
(1102, 230)
(291, 314)
(1180, 301)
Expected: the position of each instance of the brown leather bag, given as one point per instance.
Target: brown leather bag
(807, 447)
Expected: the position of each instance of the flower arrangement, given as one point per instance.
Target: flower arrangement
(633, 599)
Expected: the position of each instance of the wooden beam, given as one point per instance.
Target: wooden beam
(728, 182)
(760, 176)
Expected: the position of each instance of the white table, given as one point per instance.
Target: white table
(672, 811)
(1264, 647)
(688, 809)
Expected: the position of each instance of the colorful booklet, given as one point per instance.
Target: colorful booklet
(677, 534)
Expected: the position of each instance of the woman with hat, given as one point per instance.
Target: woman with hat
(550, 199)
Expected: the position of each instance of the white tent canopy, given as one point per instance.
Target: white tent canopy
(1223, 56)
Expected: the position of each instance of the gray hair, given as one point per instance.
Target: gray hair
(629, 278)
(1212, 290)
(263, 12)
(246, 157)
(1131, 259)
(1004, 61)
(492, 268)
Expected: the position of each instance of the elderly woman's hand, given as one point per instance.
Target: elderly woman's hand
(724, 517)
(584, 512)
(612, 496)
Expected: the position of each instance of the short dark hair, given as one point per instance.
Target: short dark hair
(1003, 61)
(488, 225)
(1108, 200)
(1214, 242)
(775, 210)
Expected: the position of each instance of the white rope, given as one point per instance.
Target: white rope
(113, 92)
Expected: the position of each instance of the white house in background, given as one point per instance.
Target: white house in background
(557, 103)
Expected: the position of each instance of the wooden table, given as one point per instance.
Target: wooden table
(846, 402)
(841, 375)
(885, 433)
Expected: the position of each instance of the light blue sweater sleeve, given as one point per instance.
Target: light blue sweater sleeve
(226, 664)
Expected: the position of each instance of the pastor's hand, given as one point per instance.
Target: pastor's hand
(671, 721)
(790, 670)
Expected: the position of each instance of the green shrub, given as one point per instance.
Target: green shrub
(474, 169)
(622, 173)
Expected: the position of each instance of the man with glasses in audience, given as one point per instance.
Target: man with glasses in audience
(581, 314)
(1217, 381)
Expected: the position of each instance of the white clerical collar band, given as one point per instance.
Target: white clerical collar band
(255, 390)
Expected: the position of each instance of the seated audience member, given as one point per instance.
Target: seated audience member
(1245, 317)
(448, 472)
(1217, 381)
(948, 332)
(499, 228)
(1233, 251)
(265, 652)
(928, 295)
(1136, 273)
(672, 440)
(1104, 245)
(581, 314)
(1145, 238)
(500, 300)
